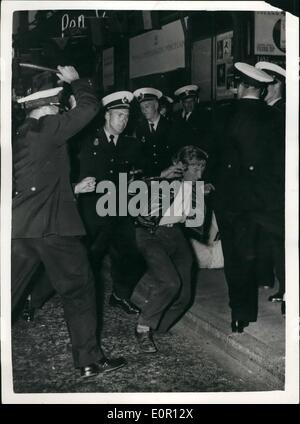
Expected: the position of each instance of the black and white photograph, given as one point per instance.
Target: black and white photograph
(149, 195)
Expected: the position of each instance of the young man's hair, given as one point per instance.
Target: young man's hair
(189, 153)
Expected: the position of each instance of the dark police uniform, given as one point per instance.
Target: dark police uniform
(46, 223)
(272, 244)
(193, 130)
(157, 146)
(102, 159)
(249, 194)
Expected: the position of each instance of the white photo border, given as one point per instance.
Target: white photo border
(291, 393)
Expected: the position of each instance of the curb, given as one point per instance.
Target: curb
(250, 352)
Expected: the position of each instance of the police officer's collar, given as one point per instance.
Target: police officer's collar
(155, 123)
(109, 134)
(274, 101)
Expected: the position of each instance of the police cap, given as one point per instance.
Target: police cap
(187, 91)
(252, 76)
(272, 69)
(42, 98)
(147, 93)
(117, 100)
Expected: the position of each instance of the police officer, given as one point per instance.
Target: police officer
(193, 121)
(275, 96)
(154, 132)
(106, 153)
(45, 220)
(248, 186)
(165, 107)
(273, 254)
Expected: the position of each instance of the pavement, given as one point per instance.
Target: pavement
(260, 348)
(199, 354)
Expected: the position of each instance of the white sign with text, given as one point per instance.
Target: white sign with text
(269, 33)
(157, 51)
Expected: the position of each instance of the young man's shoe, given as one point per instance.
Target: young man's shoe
(145, 341)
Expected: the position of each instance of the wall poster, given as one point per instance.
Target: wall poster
(224, 65)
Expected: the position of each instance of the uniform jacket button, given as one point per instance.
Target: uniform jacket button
(251, 168)
(154, 145)
(111, 171)
(32, 188)
(94, 153)
(229, 165)
(112, 159)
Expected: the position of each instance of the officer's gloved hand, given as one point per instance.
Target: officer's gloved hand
(67, 74)
(87, 185)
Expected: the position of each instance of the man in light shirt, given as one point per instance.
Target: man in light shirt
(166, 252)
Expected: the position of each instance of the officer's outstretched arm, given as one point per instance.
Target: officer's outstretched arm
(64, 126)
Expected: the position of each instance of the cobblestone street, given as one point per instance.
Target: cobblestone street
(42, 360)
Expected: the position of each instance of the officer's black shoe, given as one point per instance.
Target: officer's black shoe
(145, 341)
(124, 304)
(283, 307)
(102, 366)
(28, 310)
(277, 297)
(237, 326)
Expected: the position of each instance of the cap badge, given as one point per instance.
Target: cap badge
(140, 96)
(187, 92)
(125, 100)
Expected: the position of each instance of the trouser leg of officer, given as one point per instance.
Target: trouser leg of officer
(183, 260)
(42, 289)
(161, 273)
(68, 269)
(278, 249)
(239, 273)
(126, 260)
(265, 261)
(25, 262)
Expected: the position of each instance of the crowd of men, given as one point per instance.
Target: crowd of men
(59, 239)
